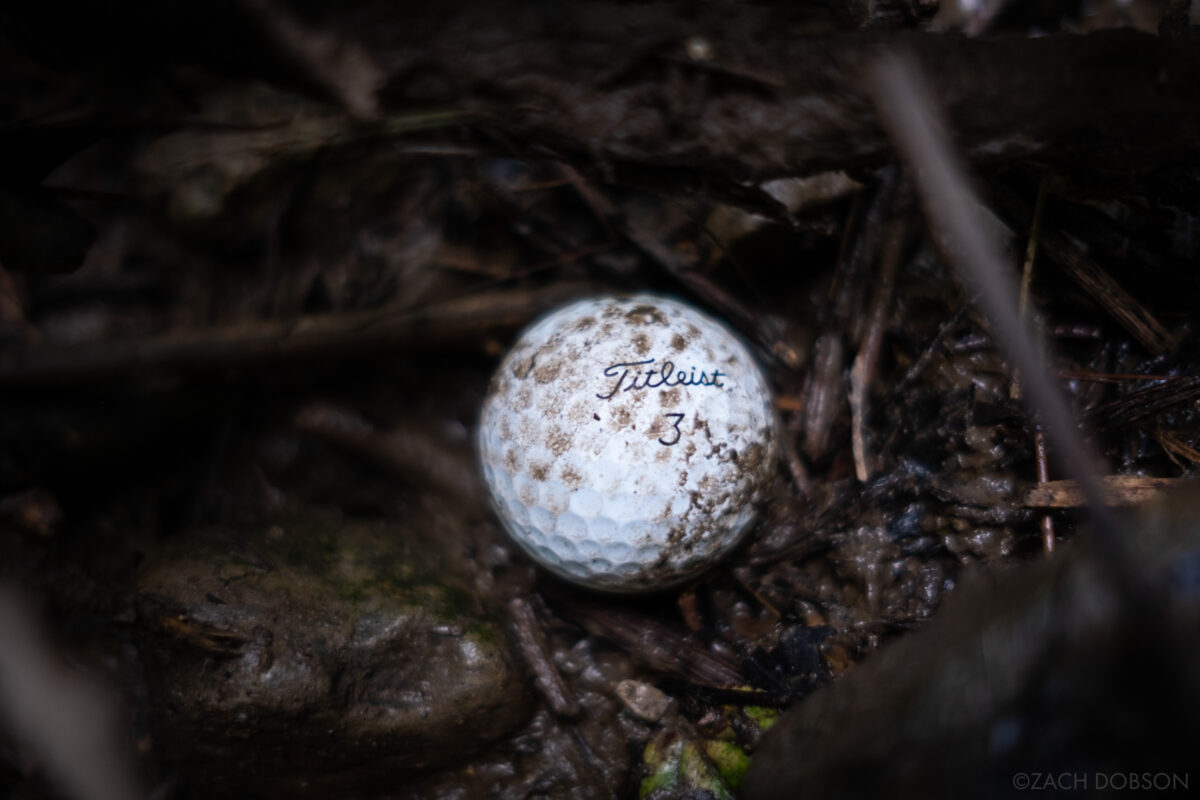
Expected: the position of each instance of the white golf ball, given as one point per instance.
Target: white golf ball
(626, 441)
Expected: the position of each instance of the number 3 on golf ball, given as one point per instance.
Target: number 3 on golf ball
(626, 441)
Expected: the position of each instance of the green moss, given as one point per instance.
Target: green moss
(336, 566)
(729, 759)
(718, 764)
(658, 778)
(677, 767)
(364, 562)
(763, 716)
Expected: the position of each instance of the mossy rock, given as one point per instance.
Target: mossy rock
(320, 655)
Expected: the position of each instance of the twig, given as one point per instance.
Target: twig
(860, 244)
(1176, 448)
(1104, 234)
(1043, 478)
(823, 394)
(909, 113)
(66, 718)
(652, 643)
(1139, 321)
(1111, 377)
(1144, 403)
(930, 350)
(766, 331)
(456, 322)
(595, 200)
(342, 68)
(1118, 490)
(1039, 435)
(865, 362)
(531, 639)
(1031, 252)
(408, 450)
(791, 457)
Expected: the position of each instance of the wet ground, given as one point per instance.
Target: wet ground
(247, 320)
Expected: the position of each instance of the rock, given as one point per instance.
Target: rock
(318, 656)
(643, 700)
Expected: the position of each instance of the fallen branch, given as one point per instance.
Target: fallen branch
(742, 91)
(456, 322)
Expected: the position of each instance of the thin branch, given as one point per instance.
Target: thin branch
(911, 116)
(67, 719)
(452, 323)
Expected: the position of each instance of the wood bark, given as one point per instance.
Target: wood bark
(750, 92)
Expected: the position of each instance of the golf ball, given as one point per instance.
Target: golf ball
(626, 441)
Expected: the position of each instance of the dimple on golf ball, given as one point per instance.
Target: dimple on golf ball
(626, 441)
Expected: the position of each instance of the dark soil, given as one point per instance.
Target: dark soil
(258, 260)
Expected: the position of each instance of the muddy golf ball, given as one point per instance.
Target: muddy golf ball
(626, 441)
